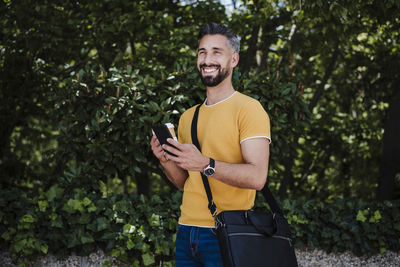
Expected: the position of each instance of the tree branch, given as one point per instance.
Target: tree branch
(318, 93)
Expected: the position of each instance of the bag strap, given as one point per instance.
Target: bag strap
(211, 205)
(195, 141)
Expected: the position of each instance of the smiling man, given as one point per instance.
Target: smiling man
(234, 134)
(211, 74)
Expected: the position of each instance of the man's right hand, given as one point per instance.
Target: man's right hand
(174, 173)
(158, 151)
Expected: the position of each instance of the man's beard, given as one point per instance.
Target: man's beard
(213, 81)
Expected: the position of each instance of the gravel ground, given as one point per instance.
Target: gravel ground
(321, 258)
(306, 258)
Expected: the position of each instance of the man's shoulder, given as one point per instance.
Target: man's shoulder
(244, 99)
(248, 105)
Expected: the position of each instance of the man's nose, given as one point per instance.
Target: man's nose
(208, 59)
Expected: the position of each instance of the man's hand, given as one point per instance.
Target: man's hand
(188, 157)
(158, 151)
(174, 173)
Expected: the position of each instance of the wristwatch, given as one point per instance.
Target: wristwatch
(210, 169)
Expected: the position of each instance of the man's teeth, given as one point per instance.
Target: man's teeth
(209, 70)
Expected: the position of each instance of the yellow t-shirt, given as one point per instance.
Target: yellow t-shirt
(220, 130)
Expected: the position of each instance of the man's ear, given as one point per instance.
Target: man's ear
(235, 60)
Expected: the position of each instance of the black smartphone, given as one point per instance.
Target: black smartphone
(162, 132)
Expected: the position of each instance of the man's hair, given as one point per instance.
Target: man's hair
(214, 28)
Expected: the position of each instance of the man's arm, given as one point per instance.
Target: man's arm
(250, 174)
(173, 172)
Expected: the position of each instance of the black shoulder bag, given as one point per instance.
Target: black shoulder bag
(248, 238)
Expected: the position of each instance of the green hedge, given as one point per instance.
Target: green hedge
(365, 228)
(132, 228)
(141, 230)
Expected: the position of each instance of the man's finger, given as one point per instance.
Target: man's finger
(155, 141)
(171, 157)
(172, 150)
(175, 143)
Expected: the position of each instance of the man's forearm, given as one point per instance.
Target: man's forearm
(250, 174)
(244, 175)
(253, 172)
(175, 174)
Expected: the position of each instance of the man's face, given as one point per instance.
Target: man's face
(215, 59)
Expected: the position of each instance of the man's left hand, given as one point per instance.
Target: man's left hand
(188, 157)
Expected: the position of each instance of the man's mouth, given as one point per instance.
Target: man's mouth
(209, 69)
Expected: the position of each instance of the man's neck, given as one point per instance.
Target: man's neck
(219, 92)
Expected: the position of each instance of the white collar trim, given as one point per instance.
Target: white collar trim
(205, 101)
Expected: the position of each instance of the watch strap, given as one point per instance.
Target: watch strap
(212, 163)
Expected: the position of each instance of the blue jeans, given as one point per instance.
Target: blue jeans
(197, 246)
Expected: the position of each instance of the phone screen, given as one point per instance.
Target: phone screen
(162, 132)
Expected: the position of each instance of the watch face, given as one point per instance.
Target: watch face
(209, 171)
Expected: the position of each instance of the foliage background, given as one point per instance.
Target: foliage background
(82, 83)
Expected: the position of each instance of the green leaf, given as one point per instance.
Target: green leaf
(129, 69)
(27, 218)
(102, 223)
(86, 201)
(84, 218)
(155, 220)
(361, 215)
(111, 100)
(44, 248)
(148, 259)
(376, 218)
(19, 245)
(6, 235)
(92, 208)
(43, 205)
(56, 220)
(81, 73)
(128, 229)
(86, 238)
(115, 252)
(286, 91)
(73, 205)
(54, 192)
(129, 244)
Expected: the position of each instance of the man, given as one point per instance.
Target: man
(234, 135)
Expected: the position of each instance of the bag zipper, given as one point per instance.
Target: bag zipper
(256, 234)
(284, 238)
(248, 234)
